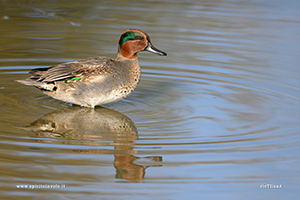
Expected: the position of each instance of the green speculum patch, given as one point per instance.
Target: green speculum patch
(76, 77)
(73, 79)
(130, 36)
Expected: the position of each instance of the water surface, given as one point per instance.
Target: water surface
(217, 118)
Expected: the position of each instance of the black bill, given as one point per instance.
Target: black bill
(152, 49)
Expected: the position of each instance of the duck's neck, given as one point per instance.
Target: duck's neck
(121, 57)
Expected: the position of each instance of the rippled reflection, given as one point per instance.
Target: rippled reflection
(89, 127)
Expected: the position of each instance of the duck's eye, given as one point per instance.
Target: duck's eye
(139, 37)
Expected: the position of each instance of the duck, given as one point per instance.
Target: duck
(98, 80)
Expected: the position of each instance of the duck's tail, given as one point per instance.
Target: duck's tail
(30, 82)
(38, 84)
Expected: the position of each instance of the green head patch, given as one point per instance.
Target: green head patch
(130, 35)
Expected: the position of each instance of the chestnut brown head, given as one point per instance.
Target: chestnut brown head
(133, 41)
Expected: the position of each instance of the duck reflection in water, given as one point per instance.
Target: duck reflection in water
(83, 126)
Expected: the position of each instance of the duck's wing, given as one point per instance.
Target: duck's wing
(98, 65)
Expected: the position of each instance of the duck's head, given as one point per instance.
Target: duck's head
(133, 41)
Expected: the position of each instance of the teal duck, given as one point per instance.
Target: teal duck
(99, 80)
